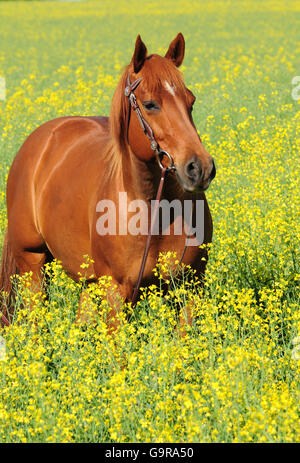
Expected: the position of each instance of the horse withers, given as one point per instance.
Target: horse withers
(70, 164)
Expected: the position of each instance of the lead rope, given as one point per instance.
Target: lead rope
(148, 241)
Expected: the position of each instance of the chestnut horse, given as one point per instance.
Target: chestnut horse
(67, 165)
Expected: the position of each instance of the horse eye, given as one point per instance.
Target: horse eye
(150, 105)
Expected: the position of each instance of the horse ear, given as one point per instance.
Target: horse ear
(176, 50)
(139, 56)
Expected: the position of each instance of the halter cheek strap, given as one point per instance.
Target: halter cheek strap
(133, 104)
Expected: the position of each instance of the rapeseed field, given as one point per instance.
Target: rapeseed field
(235, 376)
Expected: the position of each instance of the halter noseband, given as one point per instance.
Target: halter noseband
(129, 93)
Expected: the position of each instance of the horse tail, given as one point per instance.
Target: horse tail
(8, 267)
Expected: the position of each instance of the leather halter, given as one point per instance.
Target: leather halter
(129, 93)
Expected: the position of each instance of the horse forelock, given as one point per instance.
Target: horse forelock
(157, 73)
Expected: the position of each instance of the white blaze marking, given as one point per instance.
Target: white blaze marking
(169, 88)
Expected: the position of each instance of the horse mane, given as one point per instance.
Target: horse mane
(155, 72)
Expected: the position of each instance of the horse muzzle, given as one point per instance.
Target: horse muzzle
(194, 178)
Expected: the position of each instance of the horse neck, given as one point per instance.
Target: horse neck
(137, 178)
(141, 179)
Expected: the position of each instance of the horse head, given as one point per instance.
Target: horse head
(166, 104)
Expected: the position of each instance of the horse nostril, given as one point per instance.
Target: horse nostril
(193, 170)
(213, 172)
